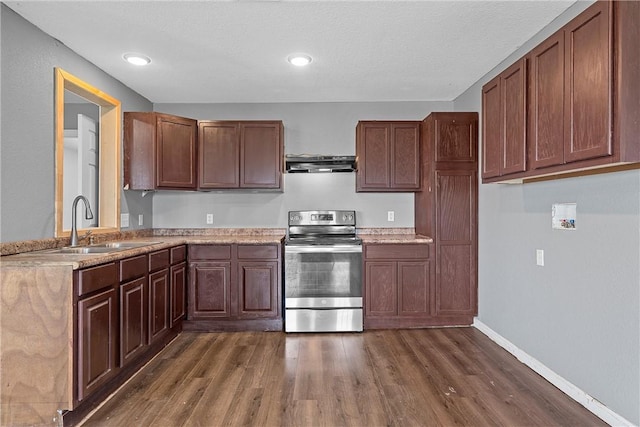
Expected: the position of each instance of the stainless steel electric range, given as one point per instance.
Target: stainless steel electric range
(323, 272)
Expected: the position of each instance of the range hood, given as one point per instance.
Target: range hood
(314, 163)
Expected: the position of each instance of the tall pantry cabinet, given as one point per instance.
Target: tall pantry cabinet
(447, 210)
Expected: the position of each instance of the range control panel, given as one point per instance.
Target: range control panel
(322, 218)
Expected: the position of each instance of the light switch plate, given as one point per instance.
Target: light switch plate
(540, 257)
(124, 220)
(141, 219)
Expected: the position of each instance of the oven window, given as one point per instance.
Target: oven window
(309, 275)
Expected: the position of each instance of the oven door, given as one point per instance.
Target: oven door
(323, 276)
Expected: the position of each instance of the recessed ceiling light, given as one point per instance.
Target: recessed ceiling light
(136, 58)
(299, 59)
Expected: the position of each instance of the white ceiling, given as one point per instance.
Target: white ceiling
(235, 51)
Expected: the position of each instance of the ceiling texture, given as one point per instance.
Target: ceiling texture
(235, 51)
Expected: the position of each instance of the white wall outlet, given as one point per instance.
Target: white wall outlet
(391, 216)
(140, 219)
(540, 257)
(124, 220)
(209, 218)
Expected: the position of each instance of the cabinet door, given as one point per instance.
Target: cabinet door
(260, 155)
(176, 152)
(456, 247)
(133, 319)
(456, 138)
(381, 288)
(258, 288)
(588, 82)
(219, 153)
(513, 84)
(158, 304)
(405, 156)
(413, 285)
(97, 341)
(209, 290)
(178, 293)
(373, 151)
(491, 129)
(546, 109)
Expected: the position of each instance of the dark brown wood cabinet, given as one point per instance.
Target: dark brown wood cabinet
(133, 307)
(126, 312)
(398, 281)
(258, 281)
(209, 281)
(159, 293)
(570, 87)
(242, 155)
(504, 148)
(97, 341)
(159, 151)
(234, 287)
(178, 275)
(447, 211)
(583, 99)
(388, 156)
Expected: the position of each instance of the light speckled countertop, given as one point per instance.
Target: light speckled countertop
(392, 235)
(44, 257)
(166, 238)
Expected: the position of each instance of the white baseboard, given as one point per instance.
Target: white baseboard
(592, 404)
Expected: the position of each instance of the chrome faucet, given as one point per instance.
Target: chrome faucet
(87, 214)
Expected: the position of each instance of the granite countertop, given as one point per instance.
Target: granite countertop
(395, 238)
(392, 235)
(152, 243)
(38, 253)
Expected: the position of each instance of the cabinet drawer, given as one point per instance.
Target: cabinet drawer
(98, 277)
(258, 251)
(132, 268)
(397, 251)
(158, 260)
(178, 254)
(208, 252)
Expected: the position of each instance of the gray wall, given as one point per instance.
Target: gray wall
(320, 128)
(580, 313)
(27, 165)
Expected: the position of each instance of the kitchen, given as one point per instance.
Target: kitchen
(578, 315)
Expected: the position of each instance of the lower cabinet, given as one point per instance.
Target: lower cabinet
(178, 293)
(235, 287)
(398, 285)
(158, 304)
(97, 341)
(134, 276)
(126, 312)
(210, 290)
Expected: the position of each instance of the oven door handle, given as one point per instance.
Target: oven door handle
(305, 249)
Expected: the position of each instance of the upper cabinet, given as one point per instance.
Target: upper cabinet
(243, 155)
(159, 151)
(504, 122)
(570, 104)
(388, 156)
(162, 151)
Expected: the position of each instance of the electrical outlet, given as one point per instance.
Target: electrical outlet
(140, 219)
(124, 220)
(210, 218)
(391, 216)
(540, 257)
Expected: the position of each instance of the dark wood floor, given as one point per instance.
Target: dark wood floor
(427, 377)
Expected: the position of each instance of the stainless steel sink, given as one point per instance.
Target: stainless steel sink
(100, 248)
(122, 245)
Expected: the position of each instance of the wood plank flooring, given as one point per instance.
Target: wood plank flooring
(420, 377)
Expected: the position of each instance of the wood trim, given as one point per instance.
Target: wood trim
(110, 152)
